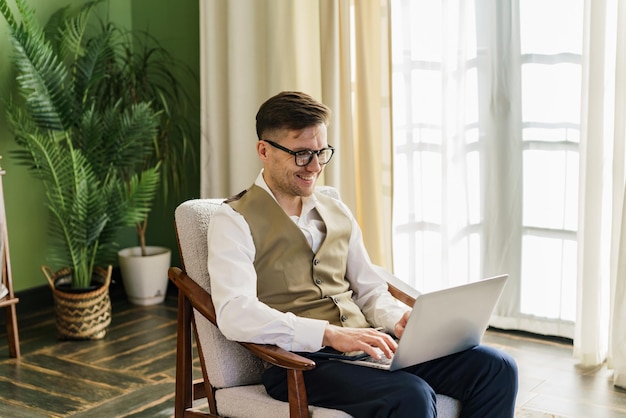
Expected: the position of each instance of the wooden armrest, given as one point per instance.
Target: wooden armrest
(400, 295)
(201, 300)
(280, 357)
(398, 289)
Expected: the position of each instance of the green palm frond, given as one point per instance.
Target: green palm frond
(73, 194)
(8, 14)
(80, 219)
(137, 130)
(93, 66)
(139, 194)
(42, 77)
(21, 122)
(52, 29)
(118, 137)
(72, 29)
(129, 203)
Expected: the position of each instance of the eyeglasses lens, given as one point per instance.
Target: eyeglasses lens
(323, 157)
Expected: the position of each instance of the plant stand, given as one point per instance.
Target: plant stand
(9, 301)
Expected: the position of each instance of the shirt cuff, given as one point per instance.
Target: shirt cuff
(309, 335)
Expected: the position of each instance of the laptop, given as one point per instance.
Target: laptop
(443, 322)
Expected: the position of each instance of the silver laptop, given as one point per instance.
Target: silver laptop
(442, 322)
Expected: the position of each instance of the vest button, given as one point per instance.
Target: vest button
(318, 281)
(316, 262)
(335, 300)
(344, 318)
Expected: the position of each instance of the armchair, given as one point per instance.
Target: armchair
(232, 371)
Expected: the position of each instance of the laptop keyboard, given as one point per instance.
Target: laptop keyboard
(382, 360)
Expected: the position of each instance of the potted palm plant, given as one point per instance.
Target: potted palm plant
(79, 147)
(145, 71)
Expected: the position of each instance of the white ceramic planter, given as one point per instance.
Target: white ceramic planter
(145, 278)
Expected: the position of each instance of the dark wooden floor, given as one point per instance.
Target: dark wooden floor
(131, 372)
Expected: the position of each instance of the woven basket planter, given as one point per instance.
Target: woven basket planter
(84, 314)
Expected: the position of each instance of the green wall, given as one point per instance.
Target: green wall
(176, 25)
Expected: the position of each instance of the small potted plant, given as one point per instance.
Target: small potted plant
(146, 72)
(79, 147)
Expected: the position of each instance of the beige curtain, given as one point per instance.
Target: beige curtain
(602, 213)
(253, 49)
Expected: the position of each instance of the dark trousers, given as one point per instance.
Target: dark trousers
(482, 378)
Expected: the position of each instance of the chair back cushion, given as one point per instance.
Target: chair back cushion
(227, 363)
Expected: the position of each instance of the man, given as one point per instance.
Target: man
(288, 267)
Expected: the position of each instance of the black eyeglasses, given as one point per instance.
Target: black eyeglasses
(304, 157)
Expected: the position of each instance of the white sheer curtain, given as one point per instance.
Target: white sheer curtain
(509, 125)
(602, 220)
(456, 95)
(334, 50)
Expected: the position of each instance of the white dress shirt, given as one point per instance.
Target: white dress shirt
(242, 317)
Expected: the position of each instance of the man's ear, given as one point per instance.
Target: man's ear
(261, 149)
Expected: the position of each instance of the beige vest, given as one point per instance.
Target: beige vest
(291, 278)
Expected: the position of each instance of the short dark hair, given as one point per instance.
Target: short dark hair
(291, 110)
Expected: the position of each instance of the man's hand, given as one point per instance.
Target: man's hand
(359, 339)
(398, 329)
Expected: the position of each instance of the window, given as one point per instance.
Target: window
(486, 101)
(551, 43)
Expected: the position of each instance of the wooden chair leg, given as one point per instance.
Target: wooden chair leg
(298, 404)
(184, 384)
(202, 388)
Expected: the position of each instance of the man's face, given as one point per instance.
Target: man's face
(281, 173)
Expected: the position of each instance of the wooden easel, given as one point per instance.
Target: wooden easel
(9, 301)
